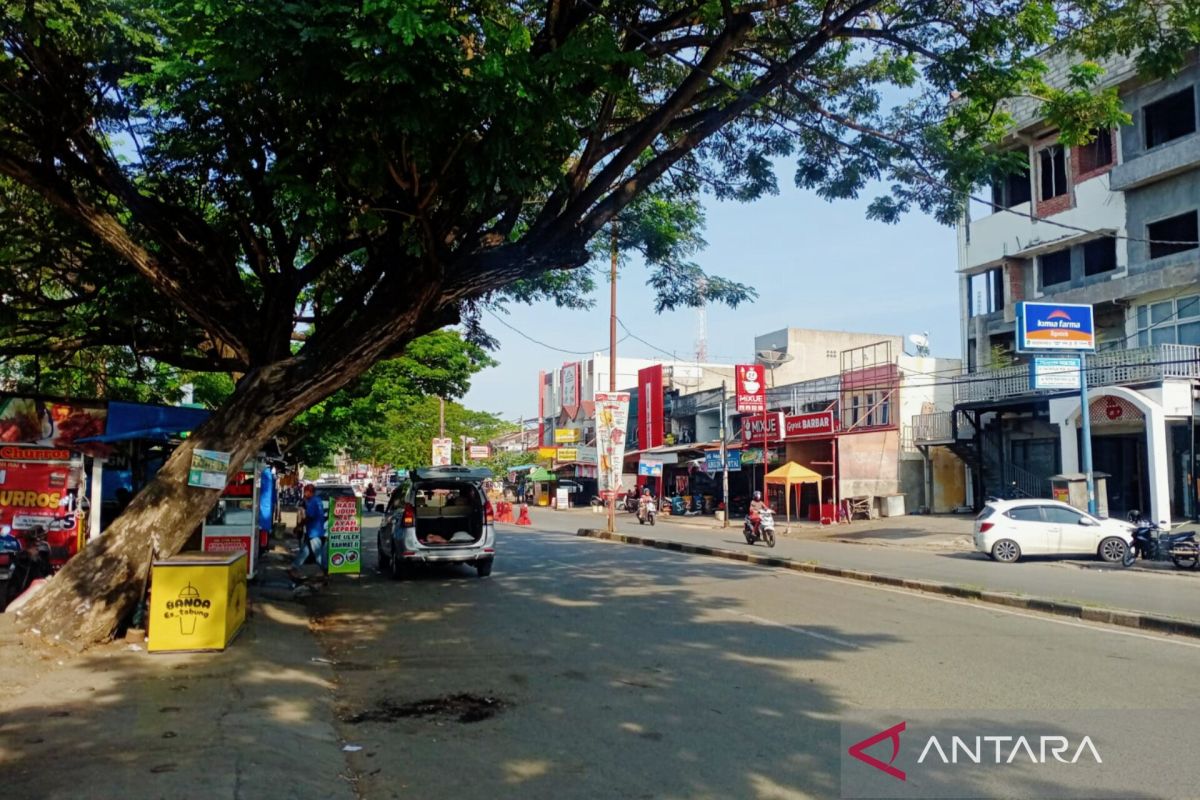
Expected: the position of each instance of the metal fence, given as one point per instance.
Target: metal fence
(1137, 365)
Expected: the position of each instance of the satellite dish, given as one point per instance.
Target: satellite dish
(773, 358)
(921, 342)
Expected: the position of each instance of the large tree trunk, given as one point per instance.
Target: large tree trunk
(86, 601)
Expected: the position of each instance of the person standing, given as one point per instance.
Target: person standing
(314, 534)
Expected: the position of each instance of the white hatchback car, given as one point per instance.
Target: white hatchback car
(1009, 529)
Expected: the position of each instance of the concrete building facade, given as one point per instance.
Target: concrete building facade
(1112, 224)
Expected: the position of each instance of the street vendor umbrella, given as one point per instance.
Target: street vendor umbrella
(793, 474)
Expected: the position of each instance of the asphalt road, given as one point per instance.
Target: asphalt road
(620, 671)
(1171, 593)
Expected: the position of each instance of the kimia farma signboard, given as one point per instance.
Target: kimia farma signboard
(1055, 326)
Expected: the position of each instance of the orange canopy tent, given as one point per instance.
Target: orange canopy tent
(793, 474)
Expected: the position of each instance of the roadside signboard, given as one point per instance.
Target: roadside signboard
(208, 469)
(443, 452)
(345, 535)
(478, 451)
(547, 452)
(751, 389)
(1055, 326)
(612, 420)
(1054, 373)
(567, 454)
(712, 461)
(802, 426)
(651, 469)
(752, 427)
(566, 435)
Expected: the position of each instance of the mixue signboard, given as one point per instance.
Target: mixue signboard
(751, 389)
(345, 535)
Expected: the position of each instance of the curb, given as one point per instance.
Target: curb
(1126, 619)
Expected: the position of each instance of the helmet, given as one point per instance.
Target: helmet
(645, 490)
(758, 495)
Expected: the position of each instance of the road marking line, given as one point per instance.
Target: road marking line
(773, 623)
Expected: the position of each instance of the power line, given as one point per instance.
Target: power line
(524, 335)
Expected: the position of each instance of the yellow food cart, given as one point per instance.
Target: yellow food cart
(197, 601)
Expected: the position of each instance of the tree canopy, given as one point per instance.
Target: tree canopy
(372, 169)
(391, 412)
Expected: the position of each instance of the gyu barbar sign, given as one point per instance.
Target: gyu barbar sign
(1055, 326)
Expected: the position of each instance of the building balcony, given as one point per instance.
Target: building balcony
(933, 428)
(1110, 368)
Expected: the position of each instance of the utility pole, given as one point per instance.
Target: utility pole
(441, 417)
(1191, 470)
(1086, 434)
(724, 462)
(612, 360)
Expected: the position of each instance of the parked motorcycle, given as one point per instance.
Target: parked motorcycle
(646, 511)
(760, 526)
(631, 502)
(27, 562)
(1152, 543)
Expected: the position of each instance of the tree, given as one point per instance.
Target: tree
(360, 173)
(379, 406)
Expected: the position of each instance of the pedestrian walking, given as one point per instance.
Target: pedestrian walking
(314, 534)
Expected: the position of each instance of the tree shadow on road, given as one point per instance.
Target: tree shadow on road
(626, 672)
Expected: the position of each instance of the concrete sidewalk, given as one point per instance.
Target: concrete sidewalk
(1170, 594)
(253, 721)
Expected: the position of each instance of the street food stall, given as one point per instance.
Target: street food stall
(197, 602)
(232, 525)
(42, 469)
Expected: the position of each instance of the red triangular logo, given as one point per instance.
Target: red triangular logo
(893, 734)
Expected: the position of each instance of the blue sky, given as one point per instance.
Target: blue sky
(815, 264)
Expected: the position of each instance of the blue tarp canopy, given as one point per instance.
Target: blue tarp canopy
(522, 468)
(128, 421)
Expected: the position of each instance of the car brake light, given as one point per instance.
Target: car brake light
(489, 516)
(984, 527)
(410, 517)
(5, 559)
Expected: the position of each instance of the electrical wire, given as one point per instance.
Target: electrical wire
(524, 335)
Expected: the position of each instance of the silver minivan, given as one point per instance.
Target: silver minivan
(438, 515)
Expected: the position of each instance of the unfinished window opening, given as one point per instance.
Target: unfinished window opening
(1012, 189)
(986, 292)
(1100, 256)
(1170, 118)
(1055, 268)
(1096, 154)
(1052, 164)
(1172, 235)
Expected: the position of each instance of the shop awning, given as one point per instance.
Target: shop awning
(542, 474)
(128, 421)
(152, 434)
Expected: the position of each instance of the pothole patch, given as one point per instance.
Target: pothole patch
(465, 708)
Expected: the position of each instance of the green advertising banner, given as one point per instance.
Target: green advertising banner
(345, 535)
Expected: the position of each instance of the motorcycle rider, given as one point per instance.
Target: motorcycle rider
(645, 502)
(757, 506)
